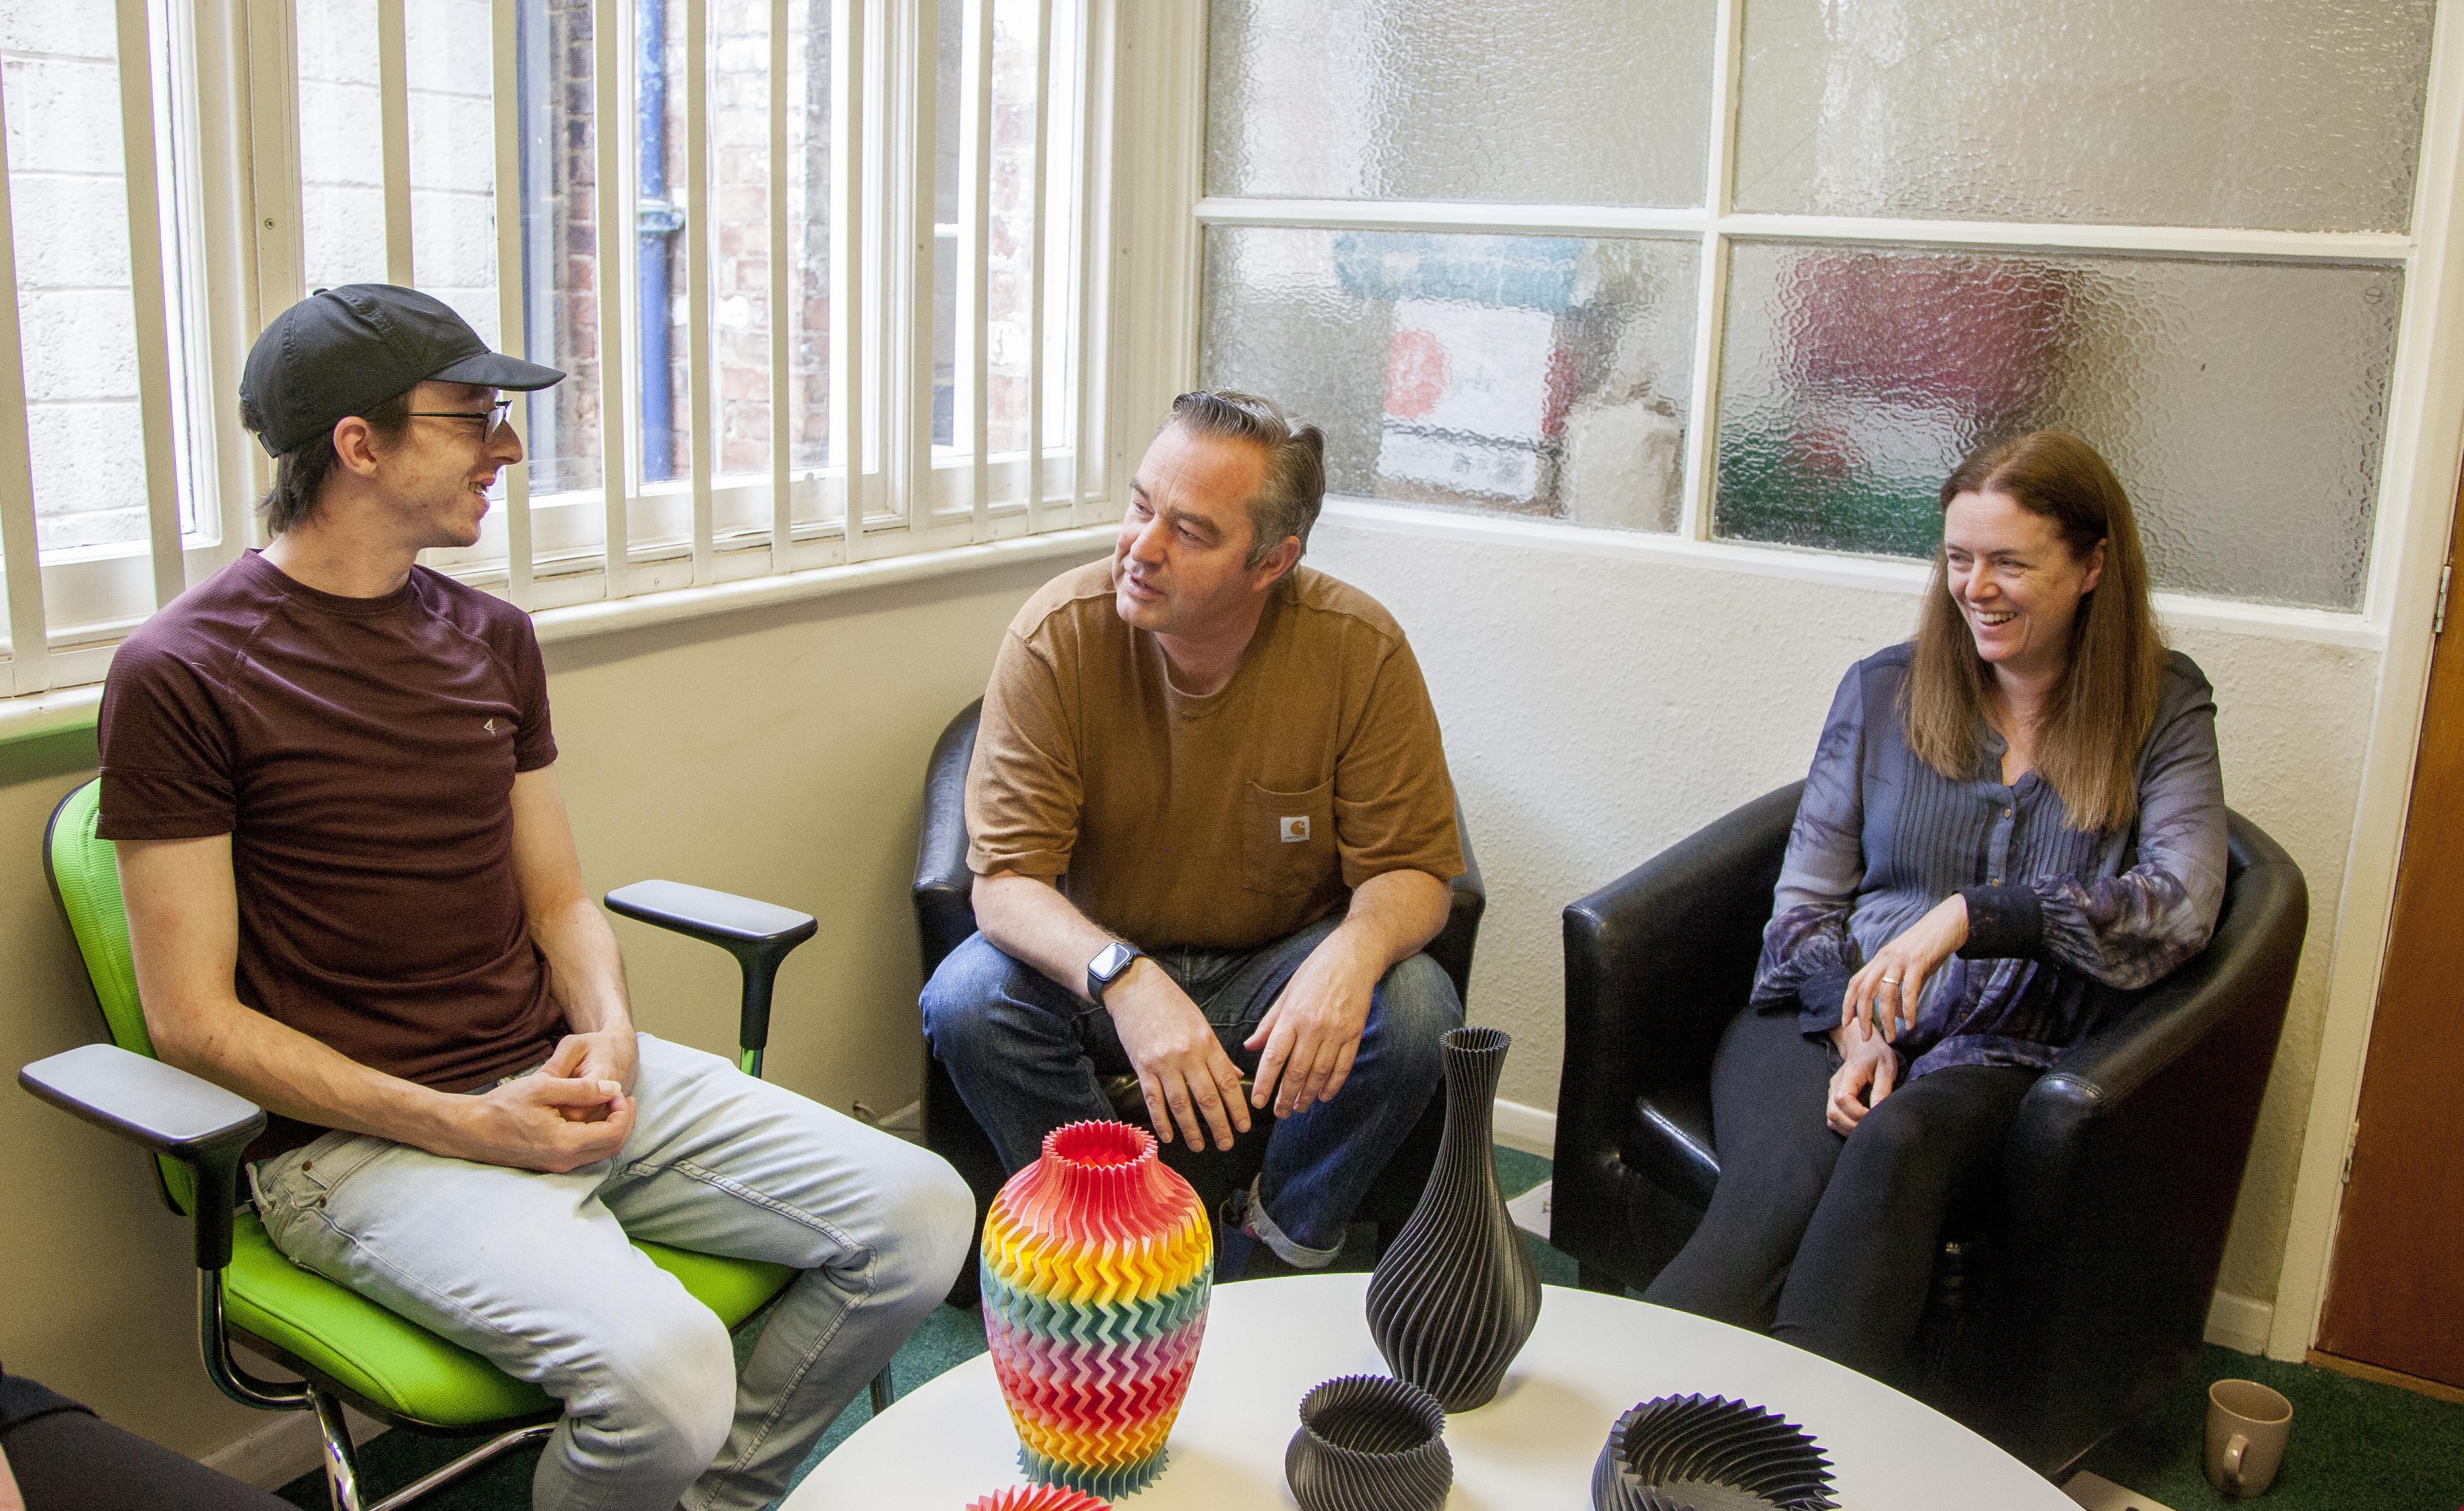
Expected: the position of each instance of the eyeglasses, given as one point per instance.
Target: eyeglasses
(489, 418)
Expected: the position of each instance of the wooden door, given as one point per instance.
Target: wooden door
(2395, 1297)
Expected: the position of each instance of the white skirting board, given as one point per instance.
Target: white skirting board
(2239, 1323)
(285, 1448)
(2233, 1321)
(1525, 1129)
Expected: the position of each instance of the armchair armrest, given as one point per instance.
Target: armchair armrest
(1659, 960)
(759, 934)
(1656, 963)
(945, 888)
(2121, 1169)
(1466, 899)
(169, 1112)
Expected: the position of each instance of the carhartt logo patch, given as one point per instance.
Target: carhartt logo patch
(1295, 831)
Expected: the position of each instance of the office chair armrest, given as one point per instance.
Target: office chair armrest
(759, 934)
(171, 1112)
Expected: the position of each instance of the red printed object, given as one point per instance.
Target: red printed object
(1040, 1498)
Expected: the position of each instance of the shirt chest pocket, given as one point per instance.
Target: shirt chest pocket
(1286, 838)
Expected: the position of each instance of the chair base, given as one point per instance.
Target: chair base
(342, 1462)
(342, 1458)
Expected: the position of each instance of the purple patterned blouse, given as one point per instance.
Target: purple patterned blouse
(2054, 913)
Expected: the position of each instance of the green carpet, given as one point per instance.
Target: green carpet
(2356, 1446)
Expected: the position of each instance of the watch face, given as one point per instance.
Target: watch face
(1109, 964)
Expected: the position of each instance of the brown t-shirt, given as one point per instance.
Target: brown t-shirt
(361, 754)
(1227, 821)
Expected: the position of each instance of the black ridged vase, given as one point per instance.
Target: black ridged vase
(1456, 1293)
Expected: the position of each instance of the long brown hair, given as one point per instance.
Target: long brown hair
(2098, 715)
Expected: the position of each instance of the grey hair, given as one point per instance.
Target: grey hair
(1287, 501)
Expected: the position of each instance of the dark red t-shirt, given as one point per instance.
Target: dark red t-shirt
(361, 754)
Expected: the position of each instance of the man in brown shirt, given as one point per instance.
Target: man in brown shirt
(1211, 829)
(354, 898)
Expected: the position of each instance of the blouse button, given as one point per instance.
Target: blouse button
(2007, 811)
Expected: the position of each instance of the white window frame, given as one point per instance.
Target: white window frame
(655, 552)
(2417, 485)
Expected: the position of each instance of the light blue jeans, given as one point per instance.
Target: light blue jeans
(536, 1274)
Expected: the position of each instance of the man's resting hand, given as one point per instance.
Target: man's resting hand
(1183, 1070)
(1312, 1032)
(609, 1055)
(540, 1121)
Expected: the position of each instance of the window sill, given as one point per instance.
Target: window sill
(46, 714)
(609, 616)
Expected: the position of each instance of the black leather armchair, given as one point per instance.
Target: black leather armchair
(945, 916)
(2067, 1297)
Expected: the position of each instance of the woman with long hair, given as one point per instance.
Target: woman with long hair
(2006, 821)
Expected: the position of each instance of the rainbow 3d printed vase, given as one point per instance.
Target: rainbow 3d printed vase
(1097, 1260)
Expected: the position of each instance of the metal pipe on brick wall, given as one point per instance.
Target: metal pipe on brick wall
(655, 225)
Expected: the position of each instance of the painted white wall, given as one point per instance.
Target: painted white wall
(1598, 708)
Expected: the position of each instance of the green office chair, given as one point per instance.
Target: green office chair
(347, 1350)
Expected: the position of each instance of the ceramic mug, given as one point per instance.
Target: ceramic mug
(2247, 1426)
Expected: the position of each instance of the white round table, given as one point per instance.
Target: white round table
(1591, 1358)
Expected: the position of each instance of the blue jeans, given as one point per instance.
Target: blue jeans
(537, 1274)
(1025, 1054)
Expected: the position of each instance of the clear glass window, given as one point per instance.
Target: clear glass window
(1014, 262)
(68, 190)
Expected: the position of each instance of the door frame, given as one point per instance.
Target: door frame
(2410, 555)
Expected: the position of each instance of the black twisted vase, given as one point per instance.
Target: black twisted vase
(1456, 1293)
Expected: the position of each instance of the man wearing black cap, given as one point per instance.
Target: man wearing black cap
(353, 897)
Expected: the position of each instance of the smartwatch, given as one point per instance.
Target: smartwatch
(1107, 967)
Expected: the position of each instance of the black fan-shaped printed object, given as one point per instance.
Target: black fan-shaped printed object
(1369, 1443)
(1706, 1453)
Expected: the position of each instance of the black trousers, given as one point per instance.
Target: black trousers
(66, 1459)
(1823, 1241)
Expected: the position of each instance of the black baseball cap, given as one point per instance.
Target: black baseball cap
(342, 352)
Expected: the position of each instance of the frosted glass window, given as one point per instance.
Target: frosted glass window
(1536, 375)
(2243, 404)
(2296, 115)
(1567, 101)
